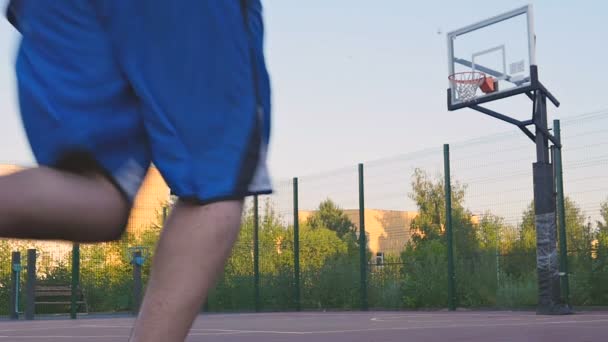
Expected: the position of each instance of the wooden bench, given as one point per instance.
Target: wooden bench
(58, 295)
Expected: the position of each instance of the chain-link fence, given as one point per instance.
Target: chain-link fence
(302, 247)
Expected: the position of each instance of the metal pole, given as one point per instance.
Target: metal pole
(30, 290)
(137, 282)
(540, 120)
(545, 218)
(15, 282)
(256, 253)
(561, 211)
(448, 227)
(75, 279)
(362, 242)
(296, 244)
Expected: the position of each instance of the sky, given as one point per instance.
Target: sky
(359, 80)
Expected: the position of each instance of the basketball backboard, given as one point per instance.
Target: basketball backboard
(501, 47)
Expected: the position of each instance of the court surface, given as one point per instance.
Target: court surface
(335, 327)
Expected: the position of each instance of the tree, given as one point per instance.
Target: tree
(330, 216)
(522, 258)
(602, 241)
(578, 234)
(520, 261)
(599, 292)
(602, 227)
(429, 225)
(430, 200)
(527, 235)
(493, 234)
(425, 256)
(321, 257)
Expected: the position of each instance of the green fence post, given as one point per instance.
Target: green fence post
(362, 242)
(15, 284)
(561, 212)
(256, 253)
(137, 261)
(296, 244)
(30, 285)
(75, 279)
(448, 227)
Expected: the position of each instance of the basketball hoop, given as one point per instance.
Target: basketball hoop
(466, 84)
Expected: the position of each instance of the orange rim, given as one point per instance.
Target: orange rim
(475, 77)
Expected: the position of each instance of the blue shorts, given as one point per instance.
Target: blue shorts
(121, 84)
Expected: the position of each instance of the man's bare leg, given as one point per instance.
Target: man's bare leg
(192, 251)
(44, 203)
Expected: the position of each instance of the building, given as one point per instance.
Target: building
(387, 231)
(148, 205)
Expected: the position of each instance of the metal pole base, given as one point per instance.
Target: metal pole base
(547, 262)
(559, 309)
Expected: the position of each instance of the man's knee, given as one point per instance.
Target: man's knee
(110, 209)
(118, 209)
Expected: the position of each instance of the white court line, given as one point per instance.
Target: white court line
(350, 315)
(28, 328)
(35, 328)
(395, 318)
(494, 319)
(63, 336)
(452, 318)
(235, 332)
(294, 314)
(46, 337)
(485, 325)
(103, 326)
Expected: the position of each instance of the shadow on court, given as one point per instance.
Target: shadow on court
(336, 327)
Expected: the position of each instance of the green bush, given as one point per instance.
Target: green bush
(425, 275)
(385, 285)
(518, 292)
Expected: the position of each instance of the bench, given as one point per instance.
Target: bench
(59, 295)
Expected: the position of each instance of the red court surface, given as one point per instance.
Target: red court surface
(336, 327)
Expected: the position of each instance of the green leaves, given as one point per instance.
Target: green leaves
(331, 217)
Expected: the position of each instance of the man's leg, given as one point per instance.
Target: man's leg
(77, 110)
(192, 250)
(44, 203)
